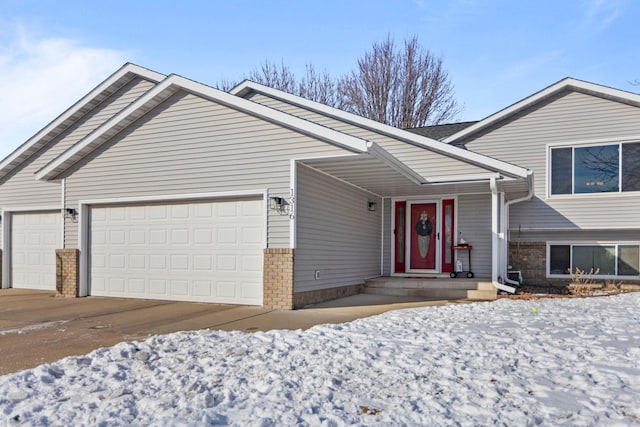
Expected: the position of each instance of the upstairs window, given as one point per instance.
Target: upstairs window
(610, 168)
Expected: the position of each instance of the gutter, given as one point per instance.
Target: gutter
(494, 230)
(505, 218)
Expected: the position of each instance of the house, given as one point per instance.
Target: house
(582, 142)
(156, 186)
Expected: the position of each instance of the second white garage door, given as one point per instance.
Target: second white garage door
(207, 252)
(35, 236)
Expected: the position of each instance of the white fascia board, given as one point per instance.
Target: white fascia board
(566, 83)
(406, 136)
(349, 142)
(379, 153)
(453, 179)
(93, 140)
(9, 161)
(169, 86)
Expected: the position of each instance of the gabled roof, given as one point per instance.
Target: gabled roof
(247, 87)
(440, 132)
(173, 84)
(105, 89)
(567, 84)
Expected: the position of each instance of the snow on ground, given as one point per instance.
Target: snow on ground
(571, 362)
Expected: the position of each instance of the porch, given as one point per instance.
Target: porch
(432, 288)
(470, 205)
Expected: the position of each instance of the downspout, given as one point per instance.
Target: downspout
(506, 216)
(62, 210)
(497, 200)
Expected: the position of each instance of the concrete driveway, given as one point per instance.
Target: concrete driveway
(36, 327)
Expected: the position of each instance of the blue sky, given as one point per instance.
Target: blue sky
(497, 52)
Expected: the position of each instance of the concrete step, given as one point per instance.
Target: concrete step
(432, 288)
(486, 286)
(482, 295)
(421, 283)
(431, 293)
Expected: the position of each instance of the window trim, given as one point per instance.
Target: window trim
(584, 144)
(588, 243)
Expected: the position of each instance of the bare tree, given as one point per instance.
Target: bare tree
(278, 77)
(405, 89)
(319, 87)
(225, 85)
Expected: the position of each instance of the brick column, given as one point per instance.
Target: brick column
(67, 283)
(278, 278)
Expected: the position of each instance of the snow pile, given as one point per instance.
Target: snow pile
(570, 362)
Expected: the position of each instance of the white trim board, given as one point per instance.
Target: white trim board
(85, 208)
(247, 86)
(6, 214)
(172, 85)
(31, 145)
(564, 84)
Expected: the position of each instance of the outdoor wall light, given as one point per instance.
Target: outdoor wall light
(276, 203)
(71, 212)
(372, 206)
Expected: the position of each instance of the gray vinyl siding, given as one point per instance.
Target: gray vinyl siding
(336, 233)
(474, 222)
(423, 161)
(192, 145)
(20, 189)
(568, 118)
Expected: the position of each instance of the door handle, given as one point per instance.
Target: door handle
(438, 235)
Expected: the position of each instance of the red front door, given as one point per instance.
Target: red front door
(423, 240)
(400, 233)
(447, 235)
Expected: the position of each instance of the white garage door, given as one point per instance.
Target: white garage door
(208, 252)
(34, 240)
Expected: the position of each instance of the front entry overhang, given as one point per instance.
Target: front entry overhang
(382, 175)
(387, 177)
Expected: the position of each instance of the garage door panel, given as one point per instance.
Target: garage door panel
(179, 211)
(51, 238)
(158, 237)
(180, 287)
(187, 251)
(158, 212)
(252, 263)
(35, 236)
(137, 285)
(180, 236)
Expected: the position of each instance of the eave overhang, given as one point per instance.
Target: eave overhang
(105, 89)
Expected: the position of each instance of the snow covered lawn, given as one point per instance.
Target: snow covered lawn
(551, 362)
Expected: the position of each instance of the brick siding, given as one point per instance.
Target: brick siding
(531, 259)
(301, 299)
(278, 278)
(67, 272)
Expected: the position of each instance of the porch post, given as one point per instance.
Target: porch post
(495, 245)
(502, 253)
(498, 235)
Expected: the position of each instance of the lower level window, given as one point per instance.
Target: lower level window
(601, 260)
